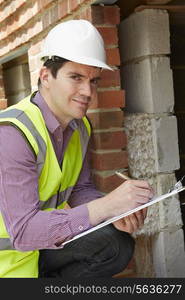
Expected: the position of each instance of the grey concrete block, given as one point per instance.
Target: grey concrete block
(148, 85)
(13, 99)
(152, 144)
(168, 254)
(141, 155)
(17, 79)
(165, 141)
(165, 215)
(144, 33)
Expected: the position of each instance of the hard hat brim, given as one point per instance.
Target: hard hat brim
(83, 60)
(91, 62)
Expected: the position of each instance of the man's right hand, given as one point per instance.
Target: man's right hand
(127, 196)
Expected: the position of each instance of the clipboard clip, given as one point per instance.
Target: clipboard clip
(178, 185)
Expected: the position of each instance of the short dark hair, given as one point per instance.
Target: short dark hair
(53, 64)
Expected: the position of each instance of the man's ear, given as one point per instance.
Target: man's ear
(44, 75)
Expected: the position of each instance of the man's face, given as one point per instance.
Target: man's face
(69, 94)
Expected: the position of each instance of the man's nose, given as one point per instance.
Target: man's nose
(86, 89)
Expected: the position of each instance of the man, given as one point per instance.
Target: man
(44, 166)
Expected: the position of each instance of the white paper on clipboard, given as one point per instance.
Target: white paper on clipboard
(151, 202)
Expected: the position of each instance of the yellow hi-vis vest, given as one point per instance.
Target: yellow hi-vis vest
(55, 183)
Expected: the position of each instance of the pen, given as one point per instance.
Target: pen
(122, 175)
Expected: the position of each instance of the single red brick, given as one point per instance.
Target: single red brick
(113, 56)
(112, 14)
(110, 78)
(109, 140)
(108, 183)
(109, 99)
(109, 34)
(62, 9)
(106, 15)
(109, 161)
(105, 120)
(73, 4)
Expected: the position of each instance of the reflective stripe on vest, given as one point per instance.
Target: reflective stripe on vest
(28, 118)
(14, 113)
(5, 244)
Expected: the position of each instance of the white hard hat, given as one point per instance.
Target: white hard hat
(78, 41)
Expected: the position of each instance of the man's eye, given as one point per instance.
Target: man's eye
(76, 78)
(94, 81)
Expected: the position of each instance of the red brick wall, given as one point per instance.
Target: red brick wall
(27, 23)
(109, 139)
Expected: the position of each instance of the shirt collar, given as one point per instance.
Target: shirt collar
(51, 121)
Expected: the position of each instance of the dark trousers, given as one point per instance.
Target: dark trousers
(102, 253)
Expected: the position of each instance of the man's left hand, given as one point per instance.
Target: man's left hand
(132, 222)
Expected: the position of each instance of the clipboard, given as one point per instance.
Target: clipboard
(177, 189)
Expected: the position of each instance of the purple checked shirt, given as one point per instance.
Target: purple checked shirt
(30, 228)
